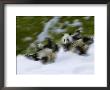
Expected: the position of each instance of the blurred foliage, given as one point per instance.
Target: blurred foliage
(29, 27)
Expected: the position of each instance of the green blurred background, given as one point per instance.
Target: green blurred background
(29, 27)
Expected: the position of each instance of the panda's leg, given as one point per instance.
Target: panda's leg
(35, 57)
(64, 47)
(88, 40)
(81, 50)
(86, 47)
(44, 60)
(68, 46)
(52, 57)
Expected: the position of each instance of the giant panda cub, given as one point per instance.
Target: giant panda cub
(45, 53)
(66, 41)
(74, 45)
(48, 52)
(80, 43)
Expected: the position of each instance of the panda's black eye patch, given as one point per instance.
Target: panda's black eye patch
(64, 40)
(68, 40)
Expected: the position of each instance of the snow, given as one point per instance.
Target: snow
(59, 30)
(48, 25)
(65, 63)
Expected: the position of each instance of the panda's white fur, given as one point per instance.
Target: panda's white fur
(47, 53)
(66, 39)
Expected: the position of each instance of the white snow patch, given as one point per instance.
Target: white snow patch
(65, 63)
(48, 25)
(59, 30)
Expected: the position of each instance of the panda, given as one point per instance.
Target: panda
(75, 45)
(45, 53)
(66, 41)
(46, 56)
(48, 52)
(80, 42)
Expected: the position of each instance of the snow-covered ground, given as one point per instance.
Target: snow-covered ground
(65, 63)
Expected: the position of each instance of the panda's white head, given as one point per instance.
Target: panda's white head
(66, 38)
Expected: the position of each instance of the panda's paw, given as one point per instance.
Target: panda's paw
(28, 56)
(36, 59)
(83, 54)
(44, 60)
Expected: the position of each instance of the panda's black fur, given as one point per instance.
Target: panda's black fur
(87, 40)
(77, 35)
(51, 45)
(66, 46)
(33, 56)
(44, 60)
(81, 51)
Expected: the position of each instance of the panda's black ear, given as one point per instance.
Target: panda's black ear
(70, 34)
